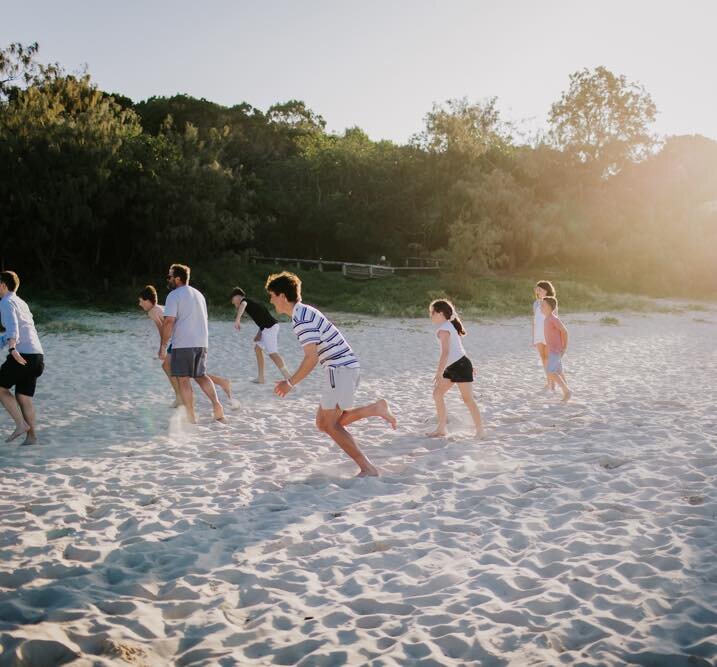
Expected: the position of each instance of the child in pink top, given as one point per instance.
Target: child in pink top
(556, 339)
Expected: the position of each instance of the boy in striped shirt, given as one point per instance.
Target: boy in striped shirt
(324, 344)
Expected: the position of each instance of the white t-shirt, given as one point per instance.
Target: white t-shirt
(191, 328)
(455, 345)
(538, 323)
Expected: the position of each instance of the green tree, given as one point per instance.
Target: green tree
(603, 120)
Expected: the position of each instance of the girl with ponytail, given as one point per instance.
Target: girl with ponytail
(454, 367)
(542, 289)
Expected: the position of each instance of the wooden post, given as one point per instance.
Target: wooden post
(343, 269)
(370, 271)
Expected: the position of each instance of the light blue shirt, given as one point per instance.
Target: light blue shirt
(17, 320)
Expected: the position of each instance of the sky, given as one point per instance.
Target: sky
(382, 64)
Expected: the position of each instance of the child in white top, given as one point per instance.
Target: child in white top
(454, 367)
(542, 289)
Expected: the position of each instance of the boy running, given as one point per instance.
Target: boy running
(266, 339)
(324, 344)
(25, 360)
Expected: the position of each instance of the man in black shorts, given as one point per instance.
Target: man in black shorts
(266, 339)
(25, 361)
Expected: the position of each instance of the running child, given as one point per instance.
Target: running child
(25, 360)
(155, 312)
(266, 339)
(556, 338)
(324, 344)
(454, 367)
(542, 289)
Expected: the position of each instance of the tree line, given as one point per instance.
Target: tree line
(94, 184)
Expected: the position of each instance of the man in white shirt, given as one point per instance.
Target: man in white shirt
(324, 344)
(187, 325)
(25, 361)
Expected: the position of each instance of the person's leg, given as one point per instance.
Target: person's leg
(28, 412)
(166, 367)
(543, 354)
(276, 358)
(187, 396)
(439, 393)
(329, 422)
(559, 379)
(225, 384)
(13, 408)
(378, 409)
(259, 365)
(466, 389)
(207, 386)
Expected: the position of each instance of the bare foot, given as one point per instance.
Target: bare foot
(371, 471)
(228, 390)
(20, 430)
(219, 414)
(258, 381)
(176, 403)
(29, 440)
(385, 413)
(480, 433)
(567, 396)
(438, 433)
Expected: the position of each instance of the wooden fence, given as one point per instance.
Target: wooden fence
(349, 269)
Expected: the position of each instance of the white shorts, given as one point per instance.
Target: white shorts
(269, 341)
(340, 385)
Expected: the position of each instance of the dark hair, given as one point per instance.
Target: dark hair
(238, 291)
(551, 301)
(286, 283)
(11, 280)
(181, 271)
(547, 286)
(149, 293)
(447, 309)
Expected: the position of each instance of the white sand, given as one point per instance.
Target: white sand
(574, 534)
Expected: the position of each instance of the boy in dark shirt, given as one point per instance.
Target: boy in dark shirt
(266, 339)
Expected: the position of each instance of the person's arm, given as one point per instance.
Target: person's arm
(240, 311)
(444, 337)
(12, 330)
(308, 363)
(165, 335)
(532, 329)
(563, 337)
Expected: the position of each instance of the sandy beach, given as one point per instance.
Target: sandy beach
(573, 534)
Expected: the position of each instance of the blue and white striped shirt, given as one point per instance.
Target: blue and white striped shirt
(312, 326)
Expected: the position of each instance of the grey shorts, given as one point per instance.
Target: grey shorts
(555, 363)
(189, 362)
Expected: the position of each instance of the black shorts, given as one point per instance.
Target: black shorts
(23, 378)
(459, 371)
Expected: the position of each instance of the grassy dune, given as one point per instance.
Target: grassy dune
(397, 296)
